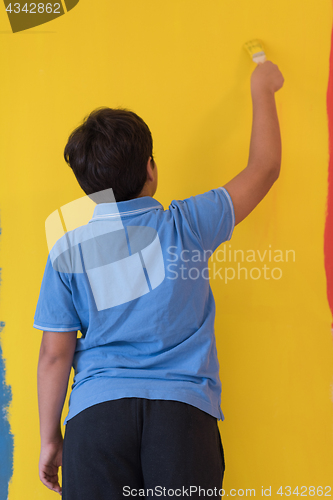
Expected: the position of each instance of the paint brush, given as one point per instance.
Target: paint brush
(256, 50)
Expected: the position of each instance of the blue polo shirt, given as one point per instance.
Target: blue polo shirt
(135, 282)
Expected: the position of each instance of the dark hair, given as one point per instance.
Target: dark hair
(110, 150)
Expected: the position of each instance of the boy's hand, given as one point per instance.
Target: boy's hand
(49, 462)
(266, 77)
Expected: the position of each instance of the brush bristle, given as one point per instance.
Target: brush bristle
(254, 47)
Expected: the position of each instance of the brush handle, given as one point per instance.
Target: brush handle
(259, 58)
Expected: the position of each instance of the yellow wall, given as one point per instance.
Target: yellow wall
(180, 65)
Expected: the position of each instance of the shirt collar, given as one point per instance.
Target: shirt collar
(128, 208)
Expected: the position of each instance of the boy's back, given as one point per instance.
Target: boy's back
(140, 296)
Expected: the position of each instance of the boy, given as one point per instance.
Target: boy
(146, 395)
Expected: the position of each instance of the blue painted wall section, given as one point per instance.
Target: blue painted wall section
(6, 437)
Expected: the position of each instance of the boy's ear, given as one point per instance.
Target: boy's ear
(150, 166)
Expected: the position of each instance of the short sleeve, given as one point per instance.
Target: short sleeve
(55, 310)
(211, 216)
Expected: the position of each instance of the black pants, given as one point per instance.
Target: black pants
(145, 448)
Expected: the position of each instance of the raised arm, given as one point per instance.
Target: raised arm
(250, 186)
(54, 366)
